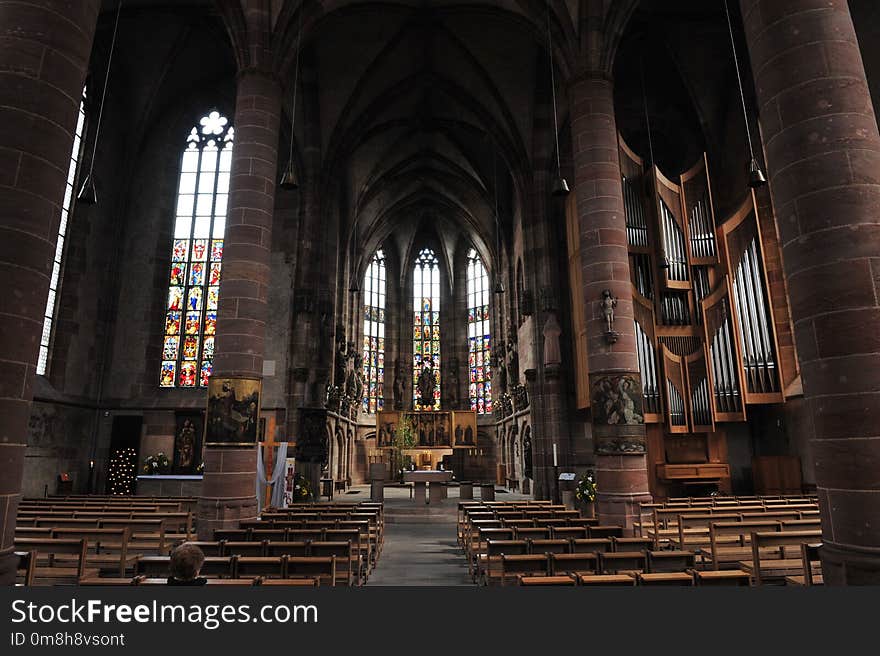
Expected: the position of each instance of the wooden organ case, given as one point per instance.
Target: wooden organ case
(703, 322)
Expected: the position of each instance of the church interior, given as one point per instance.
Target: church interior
(584, 291)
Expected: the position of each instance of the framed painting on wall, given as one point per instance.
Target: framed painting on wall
(233, 411)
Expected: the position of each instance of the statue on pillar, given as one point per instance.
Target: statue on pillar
(358, 370)
(512, 363)
(452, 384)
(609, 303)
(500, 366)
(341, 358)
(426, 387)
(399, 385)
(552, 331)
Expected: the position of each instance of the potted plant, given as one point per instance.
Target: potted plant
(301, 489)
(586, 493)
(157, 464)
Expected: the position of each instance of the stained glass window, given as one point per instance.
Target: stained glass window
(49, 315)
(374, 334)
(479, 337)
(426, 323)
(196, 254)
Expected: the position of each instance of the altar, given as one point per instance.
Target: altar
(421, 479)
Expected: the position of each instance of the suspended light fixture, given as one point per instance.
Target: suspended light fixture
(289, 180)
(560, 185)
(757, 178)
(499, 285)
(88, 194)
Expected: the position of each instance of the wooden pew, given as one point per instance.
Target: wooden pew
(487, 565)
(25, 567)
(607, 580)
(312, 567)
(618, 562)
(158, 566)
(670, 561)
(547, 580)
(665, 579)
(524, 565)
(777, 566)
(810, 561)
(574, 563)
(723, 577)
(724, 552)
(106, 548)
(47, 571)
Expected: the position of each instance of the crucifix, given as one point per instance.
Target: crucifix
(268, 444)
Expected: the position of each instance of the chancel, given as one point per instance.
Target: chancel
(585, 293)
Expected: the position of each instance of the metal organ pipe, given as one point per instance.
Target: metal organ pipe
(673, 245)
(636, 224)
(759, 358)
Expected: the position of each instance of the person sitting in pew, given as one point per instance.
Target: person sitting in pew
(185, 564)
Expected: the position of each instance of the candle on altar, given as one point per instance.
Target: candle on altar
(555, 463)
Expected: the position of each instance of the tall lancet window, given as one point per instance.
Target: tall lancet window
(374, 334)
(54, 282)
(194, 280)
(426, 324)
(479, 338)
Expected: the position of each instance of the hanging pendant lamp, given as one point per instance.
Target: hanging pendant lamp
(757, 178)
(88, 193)
(289, 180)
(560, 185)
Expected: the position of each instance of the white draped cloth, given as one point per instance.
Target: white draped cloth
(276, 479)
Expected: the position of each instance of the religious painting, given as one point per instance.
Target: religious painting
(188, 432)
(233, 411)
(386, 424)
(464, 429)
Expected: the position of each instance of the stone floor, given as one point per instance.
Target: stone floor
(420, 542)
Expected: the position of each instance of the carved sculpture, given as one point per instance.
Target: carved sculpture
(426, 387)
(552, 331)
(609, 303)
(399, 385)
(452, 384)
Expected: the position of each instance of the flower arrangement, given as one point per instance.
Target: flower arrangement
(201, 468)
(301, 489)
(157, 464)
(586, 488)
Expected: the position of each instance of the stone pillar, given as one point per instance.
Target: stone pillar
(823, 156)
(228, 488)
(44, 54)
(621, 462)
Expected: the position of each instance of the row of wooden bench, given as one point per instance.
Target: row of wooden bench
(248, 582)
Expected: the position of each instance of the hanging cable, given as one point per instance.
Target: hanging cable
(756, 174)
(88, 193)
(560, 186)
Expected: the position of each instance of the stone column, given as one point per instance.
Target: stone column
(823, 155)
(621, 462)
(228, 490)
(44, 54)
